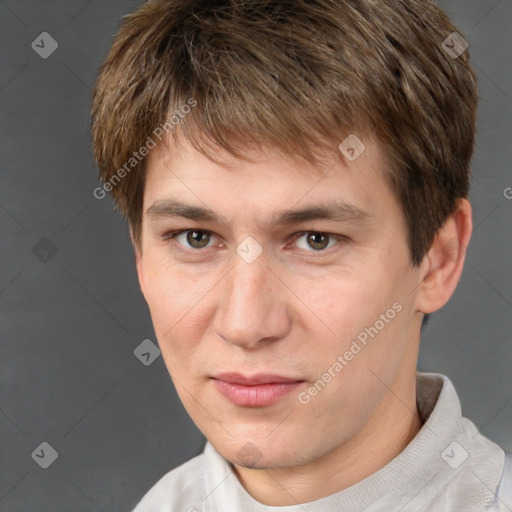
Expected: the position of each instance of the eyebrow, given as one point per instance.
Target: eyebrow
(332, 210)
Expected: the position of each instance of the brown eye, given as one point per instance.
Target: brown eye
(317, 241)
(198, 239)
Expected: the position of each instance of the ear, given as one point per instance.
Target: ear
(442, 266)
(138, 261)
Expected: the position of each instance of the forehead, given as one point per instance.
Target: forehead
(269, 187)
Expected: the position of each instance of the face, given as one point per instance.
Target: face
(282, 298)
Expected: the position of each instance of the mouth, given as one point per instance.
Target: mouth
(254, 391)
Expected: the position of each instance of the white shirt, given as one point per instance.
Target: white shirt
(448, 467)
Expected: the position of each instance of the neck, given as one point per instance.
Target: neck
(388, 431)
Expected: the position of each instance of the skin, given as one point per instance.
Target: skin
(292, 312)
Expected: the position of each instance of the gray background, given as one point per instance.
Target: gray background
(72, 312)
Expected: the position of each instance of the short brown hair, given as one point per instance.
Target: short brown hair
(297, 75)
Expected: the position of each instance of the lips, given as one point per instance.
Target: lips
(255, 391)
(262, 378)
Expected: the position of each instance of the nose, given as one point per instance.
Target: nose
(253, 308)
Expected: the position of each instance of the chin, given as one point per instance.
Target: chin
(257, 453)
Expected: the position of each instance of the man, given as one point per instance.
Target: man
(295, 175)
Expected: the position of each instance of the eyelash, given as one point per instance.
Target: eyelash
(171, 236)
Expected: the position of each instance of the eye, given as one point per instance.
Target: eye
(195, 238)
(316, 240)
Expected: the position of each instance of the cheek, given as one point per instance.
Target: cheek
(365, 316)
(343, 304)
(169, 290)
(174, 301)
